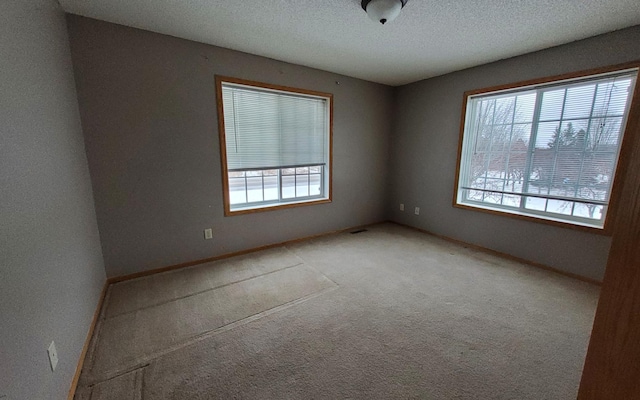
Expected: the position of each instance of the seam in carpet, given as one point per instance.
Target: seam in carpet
(92, 380)
(311, 266)
(128, 371)
(138, 383)
(322, 273)
(200, 292)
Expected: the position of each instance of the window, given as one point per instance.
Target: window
(275, 145)
(547, 151)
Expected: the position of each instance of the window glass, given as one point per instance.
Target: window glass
(548, 151)
(276, 144)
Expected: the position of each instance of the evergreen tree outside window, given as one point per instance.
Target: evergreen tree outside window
(546, 151)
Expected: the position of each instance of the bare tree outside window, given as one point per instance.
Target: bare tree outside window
(551, 149)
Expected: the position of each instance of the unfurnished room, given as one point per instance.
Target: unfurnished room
(340, 199)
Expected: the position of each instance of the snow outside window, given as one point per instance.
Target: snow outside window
(548, 151)
(275, 145)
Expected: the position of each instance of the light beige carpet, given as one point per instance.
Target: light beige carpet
(386, 313)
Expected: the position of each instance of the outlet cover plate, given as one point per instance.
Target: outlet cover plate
(53, 356)
(417, 210)
(208, 233)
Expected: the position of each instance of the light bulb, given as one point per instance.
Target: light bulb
(384, 11)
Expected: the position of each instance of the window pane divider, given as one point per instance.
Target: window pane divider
(540, 196)
(275, 167)
(532, 147)
(555, 156)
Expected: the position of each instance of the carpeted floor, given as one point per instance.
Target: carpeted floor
(386, 313)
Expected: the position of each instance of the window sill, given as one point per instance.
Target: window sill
(275, 206)
(548, 220)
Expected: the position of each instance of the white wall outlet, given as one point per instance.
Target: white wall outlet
(417, 211)
(401, 207)
(208, 233)
(53, 356)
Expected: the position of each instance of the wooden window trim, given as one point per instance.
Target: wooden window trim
(623, 158)
(223, 153)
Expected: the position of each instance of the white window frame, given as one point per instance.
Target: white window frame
(467, 135)
(279, 173)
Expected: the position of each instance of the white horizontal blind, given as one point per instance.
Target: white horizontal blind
(267, 129)
(551, 149)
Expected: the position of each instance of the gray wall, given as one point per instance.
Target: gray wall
(424, 155)
(51, 268)
(148, 111)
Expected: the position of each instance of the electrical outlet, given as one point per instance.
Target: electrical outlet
(53, 356)
(417, 211)
(208, 233)
(401, 207)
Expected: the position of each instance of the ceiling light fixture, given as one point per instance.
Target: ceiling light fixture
(383, 11)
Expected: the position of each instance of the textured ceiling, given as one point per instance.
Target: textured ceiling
(429, 38)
